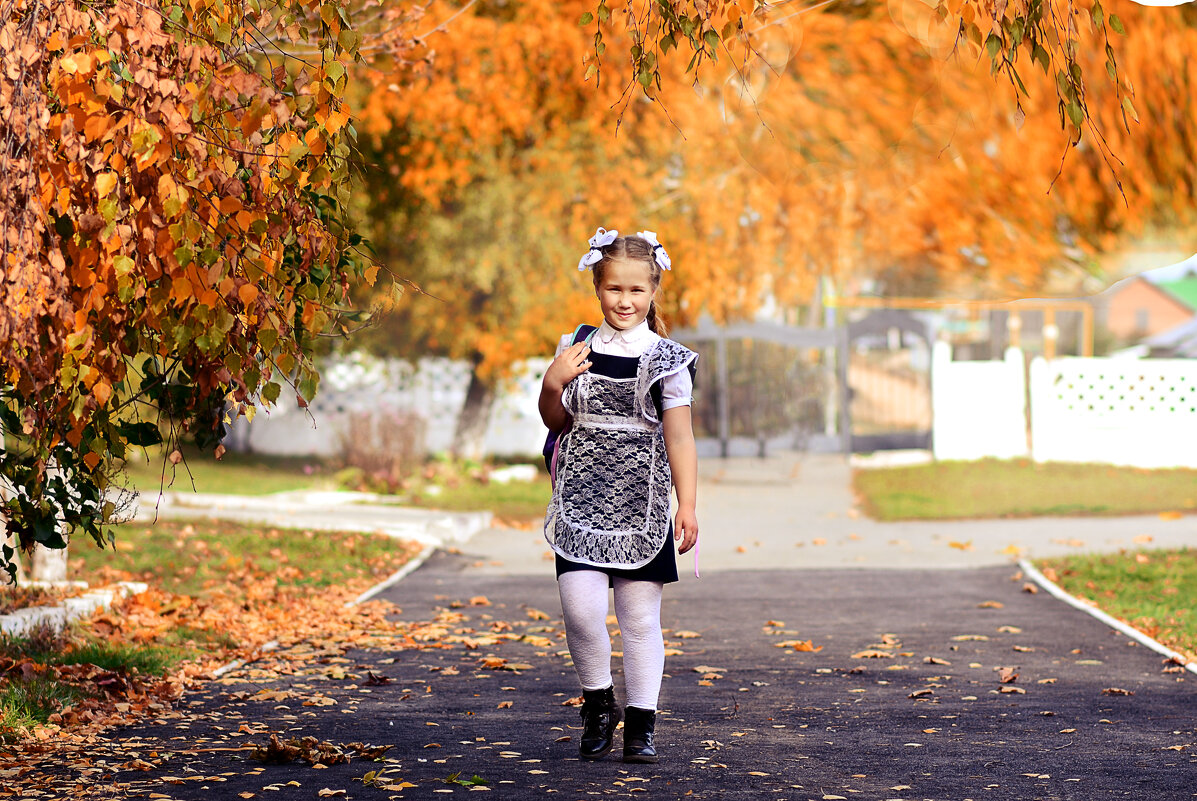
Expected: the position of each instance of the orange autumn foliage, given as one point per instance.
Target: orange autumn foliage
(172, 238)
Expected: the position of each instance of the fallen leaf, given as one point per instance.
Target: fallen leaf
(872, 653)
(991, 605)
(818, 541)
(1007, 675)
(961, 546)
(1116, 691)
(921, 692)
(479, 600)
(1171, 515)
(686, 635)
(1009, 630)
(1010, 688)
(329, 793)
(505, 705)
(1029, 587)
(536, 614)
(935, 660)
(709, 669)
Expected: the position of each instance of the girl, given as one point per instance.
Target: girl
(621, 402)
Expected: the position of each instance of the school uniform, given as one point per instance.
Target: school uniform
(610, 510)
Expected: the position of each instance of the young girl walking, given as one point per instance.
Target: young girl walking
(619, 397)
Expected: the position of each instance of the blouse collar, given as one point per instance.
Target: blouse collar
(630, 336)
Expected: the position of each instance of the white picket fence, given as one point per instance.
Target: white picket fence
(1139, 412)
(1123, 411)
(434, 389)
(978, 409)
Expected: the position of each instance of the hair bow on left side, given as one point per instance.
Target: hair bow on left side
(662, 258)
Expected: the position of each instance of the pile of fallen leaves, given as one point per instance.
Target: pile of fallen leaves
(249, 609)
(108, 698)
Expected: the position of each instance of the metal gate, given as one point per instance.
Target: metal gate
(885, 381)
(763, 387)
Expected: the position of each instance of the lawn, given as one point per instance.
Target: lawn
(1021, 488)
(197, 558)
(514, 501)
(1154, 591)
(235, 474)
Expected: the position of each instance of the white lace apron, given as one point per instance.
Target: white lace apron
(610, 505)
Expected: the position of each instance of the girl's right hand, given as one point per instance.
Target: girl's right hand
(571, 363)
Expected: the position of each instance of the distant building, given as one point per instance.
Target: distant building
(1137, 308)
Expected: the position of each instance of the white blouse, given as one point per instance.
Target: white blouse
(676, 390)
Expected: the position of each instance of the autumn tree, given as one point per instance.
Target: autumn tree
(174, 235)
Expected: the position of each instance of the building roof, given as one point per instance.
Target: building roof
(1184, 290)
(1180, 342)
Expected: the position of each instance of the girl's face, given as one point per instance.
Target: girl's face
(625, 293)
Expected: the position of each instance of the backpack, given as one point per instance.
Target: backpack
(552, 443)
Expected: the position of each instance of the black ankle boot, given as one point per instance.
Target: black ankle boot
(600, 716)
(638, 735)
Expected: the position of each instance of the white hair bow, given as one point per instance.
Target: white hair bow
(659, 253)
(602, 237)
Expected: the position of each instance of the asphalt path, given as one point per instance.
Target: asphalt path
(932, 673)
(904, 698)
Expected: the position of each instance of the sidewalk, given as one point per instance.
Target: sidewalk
(901, 698)
(798, 512)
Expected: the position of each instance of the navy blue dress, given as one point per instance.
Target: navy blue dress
(663, 567)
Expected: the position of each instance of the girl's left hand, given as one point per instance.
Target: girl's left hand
(685, 529)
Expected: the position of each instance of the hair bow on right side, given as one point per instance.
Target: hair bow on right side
(659, 254)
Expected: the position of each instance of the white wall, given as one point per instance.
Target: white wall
(1138, 412)
(978, 408)
(434, 389)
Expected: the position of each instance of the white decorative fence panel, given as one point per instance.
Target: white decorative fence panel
(434, 389)
(978, 408)
(1138, 412)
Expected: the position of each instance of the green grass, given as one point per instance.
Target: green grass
(154, 660)
(1154, 591)
(235, 474)
(1021, 488)
(29, 695)
(196, 557)
(516, 500)
(24, 703)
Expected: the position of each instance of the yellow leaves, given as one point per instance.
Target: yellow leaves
(105, 183)
(80, 64)
(248, 293)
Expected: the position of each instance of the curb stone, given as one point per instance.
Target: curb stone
(22, 621)
(1056, 591)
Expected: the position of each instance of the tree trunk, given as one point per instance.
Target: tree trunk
(469, 438)
(48, 564)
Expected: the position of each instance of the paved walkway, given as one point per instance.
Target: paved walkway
(799, 512)
(902, 695)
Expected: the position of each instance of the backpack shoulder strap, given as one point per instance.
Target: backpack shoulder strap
(583, 333)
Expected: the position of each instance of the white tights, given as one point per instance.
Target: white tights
(638, 610)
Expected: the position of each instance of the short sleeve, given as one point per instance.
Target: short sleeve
(563, 344)
(677, 390)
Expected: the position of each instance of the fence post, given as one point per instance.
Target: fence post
(724, 394)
